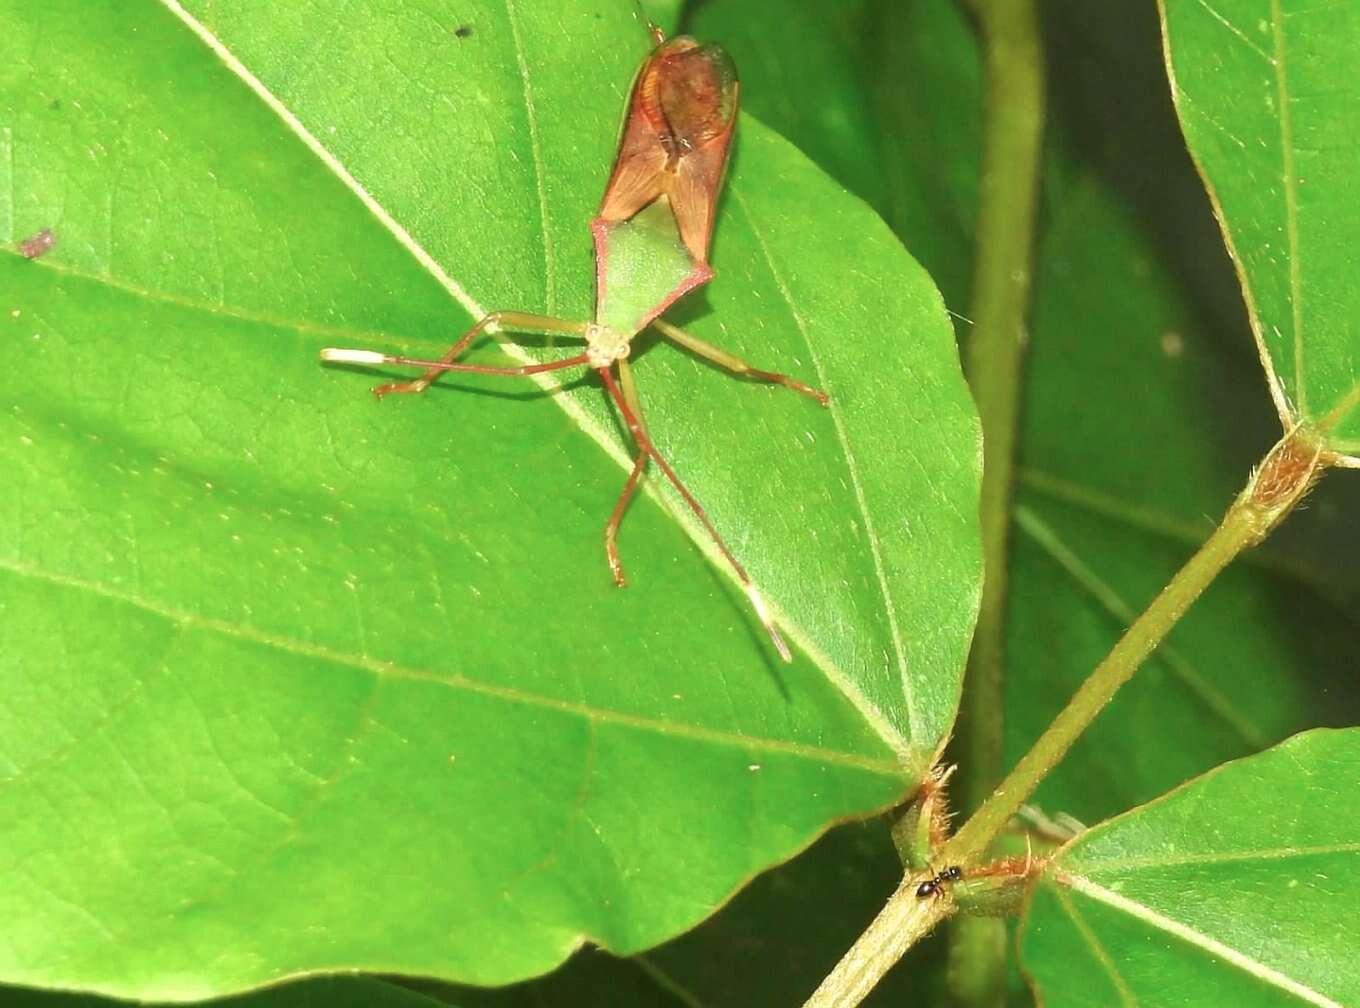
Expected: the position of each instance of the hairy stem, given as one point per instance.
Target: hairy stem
(1013, 111)
(994, 353)
(1286, 474)
(905, 919)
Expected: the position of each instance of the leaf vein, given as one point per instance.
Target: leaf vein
(536, 149)
(1291, 204)
(390, 671)
(1101, 867)
(914, 724)
(1199, 939)
(1243, 36)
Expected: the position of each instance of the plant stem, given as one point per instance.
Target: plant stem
(1286, 474)
(1013, 110)
(904, 920)
(994, 353)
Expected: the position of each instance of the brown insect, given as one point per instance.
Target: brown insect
(651, 239)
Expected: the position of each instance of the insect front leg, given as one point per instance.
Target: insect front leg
(495, 322)
(734, 363)
(611, 528)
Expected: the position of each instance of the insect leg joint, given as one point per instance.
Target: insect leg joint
(605, 345)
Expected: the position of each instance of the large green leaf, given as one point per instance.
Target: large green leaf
(298, 682)
(1264, 95)
(1238, 888)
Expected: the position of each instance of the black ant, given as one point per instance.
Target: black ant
(935, 886)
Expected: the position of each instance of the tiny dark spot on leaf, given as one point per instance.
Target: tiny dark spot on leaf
(37, 245)
(463, 31)
(55, 105)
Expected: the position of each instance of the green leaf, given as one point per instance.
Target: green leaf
(1260, 89)
(1234, 889)
(299, 682)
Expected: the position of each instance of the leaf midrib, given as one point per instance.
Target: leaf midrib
(1291, 203)
(1102, 866)
(843, 441)
(1207, 944)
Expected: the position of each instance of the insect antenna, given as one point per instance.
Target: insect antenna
(342, 355)
(645, 443)
(657, 33)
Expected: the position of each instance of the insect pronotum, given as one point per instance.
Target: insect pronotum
(651, 237)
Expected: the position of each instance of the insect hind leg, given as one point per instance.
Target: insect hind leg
(611, 529)
(646, 447)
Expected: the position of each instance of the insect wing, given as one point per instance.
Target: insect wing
(700, 102)
(676, 139)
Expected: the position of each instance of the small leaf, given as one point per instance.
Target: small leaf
(1237, 888)
(1264, 96)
